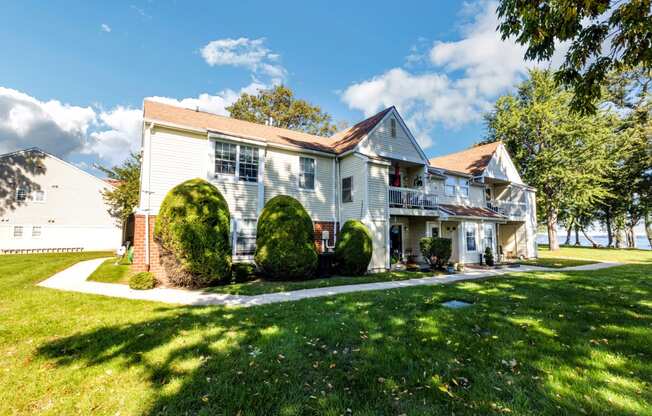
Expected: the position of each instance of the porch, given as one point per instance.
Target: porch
(408, 191)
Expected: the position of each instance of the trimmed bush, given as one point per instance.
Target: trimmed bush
(285, 247)
(243, 272)
(488, 256)
(353, 249)
(436, 250)
(193, 229)
(142, 281)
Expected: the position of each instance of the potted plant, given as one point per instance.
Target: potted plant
(488, 257)
(450, 268)
(460, 267)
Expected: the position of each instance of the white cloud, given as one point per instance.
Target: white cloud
(118, 136)
(105, 28)
(460, 81)
(251, 54)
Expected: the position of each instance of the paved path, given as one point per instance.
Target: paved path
(74, 279)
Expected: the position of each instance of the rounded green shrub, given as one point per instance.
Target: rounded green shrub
(142, 281)
(285, 247)
(192, 229)
(243, 272)
(353, 249)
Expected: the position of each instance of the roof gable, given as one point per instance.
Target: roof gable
(471, 161)
(502, 167)
(348, 139)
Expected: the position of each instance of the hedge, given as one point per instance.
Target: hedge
(142, 281)
(436, 250)
(353, 249)
(193, 230)
(285, 248)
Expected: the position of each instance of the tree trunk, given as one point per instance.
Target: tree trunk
(610, 238)
(619, 234)
(631, 237)
(577, 235)
(648, 226)
(569, 230)
(591, 240)
(552, 229)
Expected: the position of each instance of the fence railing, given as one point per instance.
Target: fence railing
(508, 208)
(411, 198)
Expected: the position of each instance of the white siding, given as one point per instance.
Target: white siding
(378, 191)
(381, 143)
(175, 158)
(72, 214)
(242, 197)
(476, 196)
(355, 167)
(378, 229)
(282, 178)
(501, 167)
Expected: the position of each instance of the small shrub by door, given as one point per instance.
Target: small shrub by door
(353, 249)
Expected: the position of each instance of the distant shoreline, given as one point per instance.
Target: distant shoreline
(641, 241)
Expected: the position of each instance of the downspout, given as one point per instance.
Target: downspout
(148, 144)
(335, 210)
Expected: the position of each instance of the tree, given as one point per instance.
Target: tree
(123, 199)
(624, 27)
(279, 107)
(562, 154)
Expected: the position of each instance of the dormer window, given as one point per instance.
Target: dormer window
(392, 127)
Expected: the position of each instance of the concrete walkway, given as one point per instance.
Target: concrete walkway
(73, 279)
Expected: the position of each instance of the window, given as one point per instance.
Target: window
(470, 239)
(225, 159)
(248, 164)
(347, 189)
(39, 196)
(464, 187)
(449, 187)
(434, 232)
(36, 231)
(392, 127)
(21, 194)
(489, 236)
(306, 173)
(18, 231)
(246, 237)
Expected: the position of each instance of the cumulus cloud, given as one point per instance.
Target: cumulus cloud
(251, 54)
(105, 28)
(459, 81)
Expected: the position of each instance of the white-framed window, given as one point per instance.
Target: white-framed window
(347, 189)
(306, 173)
(37, 231)
(434, 232)
(471, 244)
(489, 236)
(236, 161)
(21, 194)
(449, 186)
(248, 169)
(225, 158)
(392, 127)
(39, 196)
(464, 187)
(246, 237)
(18, 231)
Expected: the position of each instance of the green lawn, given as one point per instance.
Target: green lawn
(555, 262)
(532, 344)
(598, 254)
(258, 287)
(112, 271)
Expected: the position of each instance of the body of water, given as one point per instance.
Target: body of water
(641, 241)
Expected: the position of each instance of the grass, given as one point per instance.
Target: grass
(112, 271)
(597, 254)
(555, 262)
(532, 344)
(257, 287)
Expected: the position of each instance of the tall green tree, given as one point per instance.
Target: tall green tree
(562, 154)
(604, 36)
(123, 199)
(278, 107)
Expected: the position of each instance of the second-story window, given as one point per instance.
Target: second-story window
(347, 189)
(449, 187)
(18, 231)
(225, 158)
(248, 164)
(392, 127)
(21, 194)
(237, 161)
(39, 196)
(464, 187)
(306, 173)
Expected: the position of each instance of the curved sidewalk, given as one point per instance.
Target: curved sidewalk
(74, 279)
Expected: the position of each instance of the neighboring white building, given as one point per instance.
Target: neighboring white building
(374, 171)
(46, 203)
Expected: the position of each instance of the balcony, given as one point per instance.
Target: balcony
(411, 201)
(514, 210)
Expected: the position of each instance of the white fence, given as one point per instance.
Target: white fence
(508, 208)
(411, 198)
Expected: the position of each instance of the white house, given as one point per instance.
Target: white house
(49, 204)
(374, 171)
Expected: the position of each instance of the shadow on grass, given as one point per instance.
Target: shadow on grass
(538, 344)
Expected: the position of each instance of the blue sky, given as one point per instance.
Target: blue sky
(79, 71)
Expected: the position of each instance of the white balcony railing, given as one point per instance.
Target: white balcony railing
(411, 198)
(508, 208)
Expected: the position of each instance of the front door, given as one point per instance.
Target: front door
(396, 241)
(450, 230)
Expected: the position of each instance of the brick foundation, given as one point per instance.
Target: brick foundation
(155, 266)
